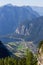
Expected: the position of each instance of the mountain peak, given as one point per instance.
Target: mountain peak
(8, 5)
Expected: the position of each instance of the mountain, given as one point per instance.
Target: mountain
(12, 16)
(32, 31)
(38, 9)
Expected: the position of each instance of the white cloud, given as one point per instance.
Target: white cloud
(22, 2)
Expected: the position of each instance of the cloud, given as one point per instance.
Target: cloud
(22, 2)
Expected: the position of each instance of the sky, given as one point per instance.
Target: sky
(22, 2)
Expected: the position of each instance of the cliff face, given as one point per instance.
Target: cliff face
(40, 56)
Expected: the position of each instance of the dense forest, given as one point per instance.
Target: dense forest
(29, 59)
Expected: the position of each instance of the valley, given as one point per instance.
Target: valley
(21, 30)
(19, 48)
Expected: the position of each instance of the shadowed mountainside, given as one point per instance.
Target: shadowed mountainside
(3, 51)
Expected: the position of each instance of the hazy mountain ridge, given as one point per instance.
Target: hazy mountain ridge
(38, 9)
(11, 16)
